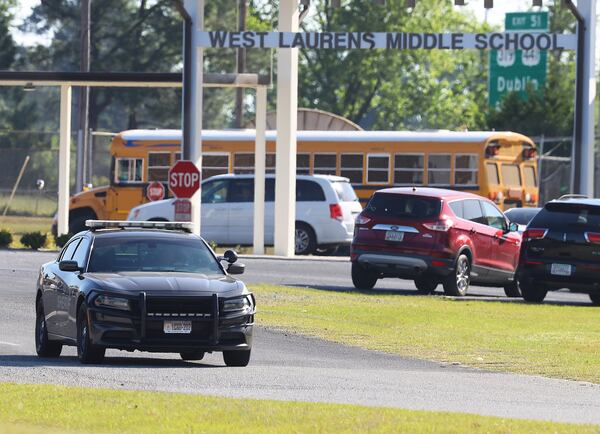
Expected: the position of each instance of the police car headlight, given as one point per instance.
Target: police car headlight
(112, 302)
(238, 304)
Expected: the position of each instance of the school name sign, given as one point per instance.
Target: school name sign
(388, 40)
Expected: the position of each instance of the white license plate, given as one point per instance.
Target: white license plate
(394, 236)
(177, 327)
(560, 269)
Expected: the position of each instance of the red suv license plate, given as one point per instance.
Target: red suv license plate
(394, 236)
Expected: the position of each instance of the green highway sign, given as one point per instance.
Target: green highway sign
(515, 70)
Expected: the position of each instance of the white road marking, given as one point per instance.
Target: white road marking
(9, 343)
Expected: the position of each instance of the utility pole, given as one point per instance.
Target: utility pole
(241, 67)
(84, 99)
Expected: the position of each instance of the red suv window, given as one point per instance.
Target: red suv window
(396, 205)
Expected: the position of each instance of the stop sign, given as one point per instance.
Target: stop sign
(155, 191)
(184, 179)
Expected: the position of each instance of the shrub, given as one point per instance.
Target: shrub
(61, 240)
(5, 238)
(33, 240)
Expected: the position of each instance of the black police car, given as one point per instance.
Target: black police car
(149, 286)
(561, 249)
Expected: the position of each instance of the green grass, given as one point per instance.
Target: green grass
(50, 409)
(29, 204)
(549, 340)
(18, 225)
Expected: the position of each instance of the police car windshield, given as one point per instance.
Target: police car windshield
(119, 254)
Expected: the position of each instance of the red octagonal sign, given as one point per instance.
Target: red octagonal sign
(155, 191)
(184, 179)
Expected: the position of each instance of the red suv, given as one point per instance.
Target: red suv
(435, 236)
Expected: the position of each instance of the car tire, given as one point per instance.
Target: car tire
(532, 293)
(595, 298)
(236, 358)
(192, 355)
(513, 289)
(44, 347)
(363, 278)
(457, 283)
(425, 285)
(87, 352)
(305, 240)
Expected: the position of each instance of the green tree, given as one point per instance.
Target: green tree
(387, 89)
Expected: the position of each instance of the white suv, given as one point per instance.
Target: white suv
(326, 207)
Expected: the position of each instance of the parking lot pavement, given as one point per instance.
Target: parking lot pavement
(285, 366)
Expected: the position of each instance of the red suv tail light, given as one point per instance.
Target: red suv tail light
(361, 220)
(592, 237)
(534, 234)
(441, 226)
(335, 211)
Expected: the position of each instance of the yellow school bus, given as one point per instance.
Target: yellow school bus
(499, 165)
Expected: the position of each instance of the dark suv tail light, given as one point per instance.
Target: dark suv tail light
(534, 234)
(592, 237)
(335, 211)
(441, 226)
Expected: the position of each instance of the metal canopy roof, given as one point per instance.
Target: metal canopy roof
(125, 79)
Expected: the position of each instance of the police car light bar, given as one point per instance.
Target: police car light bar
(118, 224)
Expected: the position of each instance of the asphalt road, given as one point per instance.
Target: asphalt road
(285, 366)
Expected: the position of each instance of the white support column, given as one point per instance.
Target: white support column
(587, 8)
(196, 10)
(287, 109)
(64, 162)
(259, 170)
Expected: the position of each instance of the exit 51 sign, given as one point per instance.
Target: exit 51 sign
(515, 70)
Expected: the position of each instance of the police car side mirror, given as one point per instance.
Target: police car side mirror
(68, 266)
(230, 256)
(236, 268)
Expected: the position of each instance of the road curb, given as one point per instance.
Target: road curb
(299, 258)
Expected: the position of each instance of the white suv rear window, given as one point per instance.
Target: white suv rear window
(344, 191)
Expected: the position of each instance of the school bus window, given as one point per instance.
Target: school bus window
(492, 174)
(511, 175)
(408, 169)
(466, 167)
(129, 169)
(158, 166)
(243, 163)
(270, 163)
(378, 168)
(529, 174)
(324, 164)
(214, 164)
(439, 169)
(303, 164)
(351, 166)
(176, 156)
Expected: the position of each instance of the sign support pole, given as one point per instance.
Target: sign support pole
(586, 164)
(287, 118)
(259, 171)
(195, 9)
(64, 162)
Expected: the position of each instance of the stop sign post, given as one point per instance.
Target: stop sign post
(184, 179)
(155, 191)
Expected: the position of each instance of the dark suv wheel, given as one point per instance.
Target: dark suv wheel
(513, 289)
(425, 284)
(363, 278)
(595, 298)
(532, 293)
(457, 283)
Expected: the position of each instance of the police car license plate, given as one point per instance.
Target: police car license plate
(561, 269)
(394, 236)
(177, 327)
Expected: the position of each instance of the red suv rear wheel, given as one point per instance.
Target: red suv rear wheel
(457, 283)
